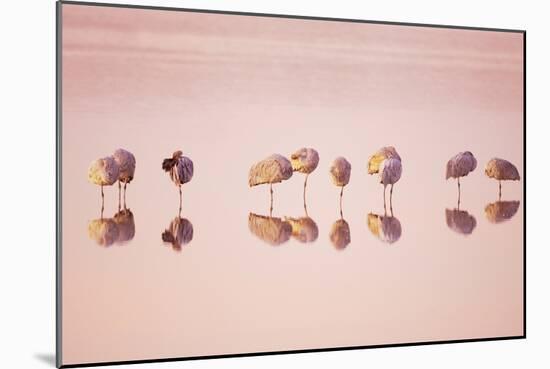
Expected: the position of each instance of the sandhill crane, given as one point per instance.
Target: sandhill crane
(340, 172)
(180, 168)
(274, 231)
(387, 163)
(127, 167)
(179, 233)
(501, 170)
(103, 172)
(459, 166)
(273, 169)
(304, 160)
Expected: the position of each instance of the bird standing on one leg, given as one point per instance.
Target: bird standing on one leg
(459, 166)
(273, 169)
(340, 172)
(305, 160)
(180, 169)
(387, 163)
(501, 170)
(127, 167)
(103, 172)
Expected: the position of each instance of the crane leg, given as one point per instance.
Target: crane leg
(102, 201)
(180, 198)
(458, 181)
(499, 190)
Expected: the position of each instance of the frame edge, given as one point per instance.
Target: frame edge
(58, 235)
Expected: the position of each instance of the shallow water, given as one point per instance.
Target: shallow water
(223, 276)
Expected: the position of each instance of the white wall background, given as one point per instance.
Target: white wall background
(27, 182)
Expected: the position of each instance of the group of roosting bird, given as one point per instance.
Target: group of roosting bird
(386, 162)
(120, 167)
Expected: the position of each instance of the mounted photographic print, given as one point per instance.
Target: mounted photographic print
(238, 184)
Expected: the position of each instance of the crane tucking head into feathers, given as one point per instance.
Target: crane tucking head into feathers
(168, 164)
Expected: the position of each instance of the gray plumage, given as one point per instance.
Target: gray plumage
(386, 162)
(390, 171)
(179, 167)
(304, 160)
(460, 165)
(501, 170)
(126, 164)
(103, 172)
(378, 157)
(273, 169)
(340, 171)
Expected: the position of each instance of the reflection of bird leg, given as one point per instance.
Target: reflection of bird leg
(119, 195)
(271, 199)
(125, 195)
(384, 193)
(180, 197)
(341, 193)
(499, 190)
(102, 201)
(391, 196)
(458, 181)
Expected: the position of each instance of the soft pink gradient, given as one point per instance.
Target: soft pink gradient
(231, 90)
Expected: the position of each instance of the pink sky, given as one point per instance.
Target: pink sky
(231, 90)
